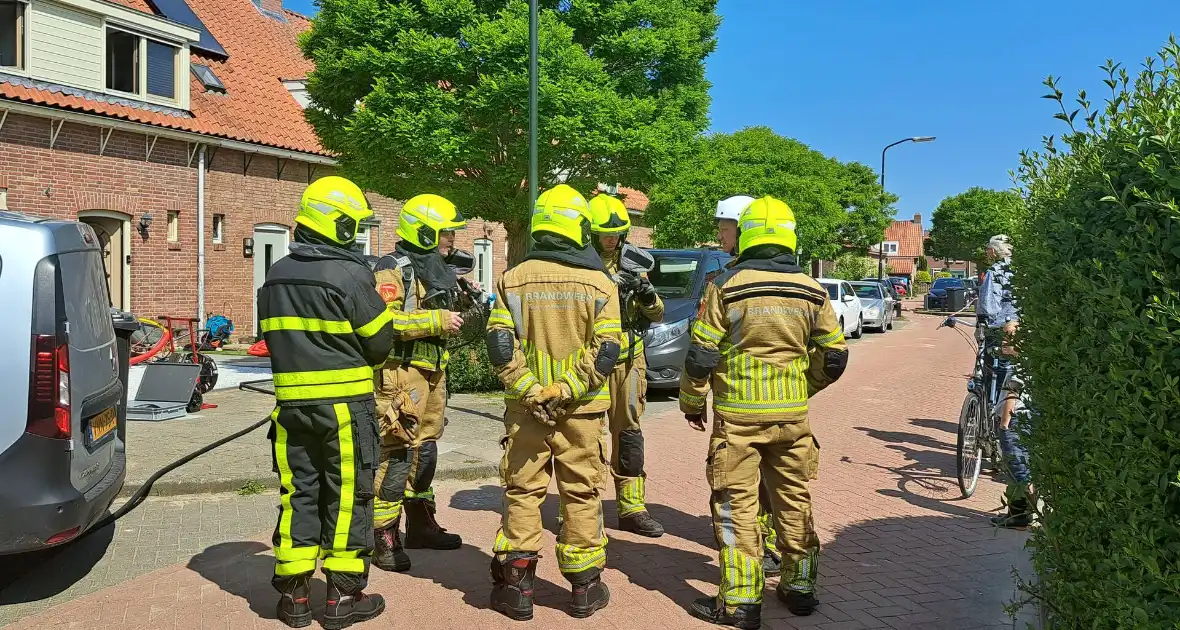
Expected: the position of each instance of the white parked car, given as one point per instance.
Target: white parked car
(847, 306)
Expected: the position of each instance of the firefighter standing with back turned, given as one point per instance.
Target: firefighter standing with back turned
(729, 210)
(412, 388)
(553, 339)
(628, 383)
(765, 339)
(326, 328)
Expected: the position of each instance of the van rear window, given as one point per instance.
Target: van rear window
(86, 297)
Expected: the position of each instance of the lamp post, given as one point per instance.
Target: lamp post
(533, 79)
(881, 246)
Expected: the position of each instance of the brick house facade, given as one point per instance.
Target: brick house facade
(85, 151)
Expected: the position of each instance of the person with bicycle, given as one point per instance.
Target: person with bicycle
(999, 316)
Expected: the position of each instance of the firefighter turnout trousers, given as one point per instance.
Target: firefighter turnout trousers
(577, 448)
(766, 519)
(786, 455)
(628, 395)
(411, 403)
(325, 456)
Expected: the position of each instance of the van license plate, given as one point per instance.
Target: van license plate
(102, 425)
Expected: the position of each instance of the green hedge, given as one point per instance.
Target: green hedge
(1098, 283)
(471, 371)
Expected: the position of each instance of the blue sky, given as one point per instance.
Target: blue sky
(849, 77)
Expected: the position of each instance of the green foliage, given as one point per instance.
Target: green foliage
(853, 267)
(923, 276)
(1098, 282)
(470, 370)
(835, 204)
(963, 223)
(432, 96)
(943, 274)
(923, 263)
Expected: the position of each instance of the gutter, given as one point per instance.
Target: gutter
(200, 238)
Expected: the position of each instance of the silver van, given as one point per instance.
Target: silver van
(62, 458)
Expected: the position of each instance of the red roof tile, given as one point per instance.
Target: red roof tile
(633, 199)
(908, 236)
(256, 107)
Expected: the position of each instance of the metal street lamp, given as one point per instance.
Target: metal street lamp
(533, 78)
(881, 246)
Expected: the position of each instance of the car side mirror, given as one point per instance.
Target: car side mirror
(847, 297)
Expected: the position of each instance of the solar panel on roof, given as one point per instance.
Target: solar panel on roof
(179, 11)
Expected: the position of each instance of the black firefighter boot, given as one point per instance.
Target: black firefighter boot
(745, 616)
(423, 532)
(388, 553)
(294, 609)
(512, 585)
(641, 523)
(346, 604)
(589, 593)
(800, 603)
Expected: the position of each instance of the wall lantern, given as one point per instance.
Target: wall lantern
(248, 247)
(145, 222)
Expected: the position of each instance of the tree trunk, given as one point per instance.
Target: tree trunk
(518, 235)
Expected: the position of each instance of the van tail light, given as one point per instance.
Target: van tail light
(49, 389)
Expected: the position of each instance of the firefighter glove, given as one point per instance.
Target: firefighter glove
(555, 397)
(646, 292)
(532, 401)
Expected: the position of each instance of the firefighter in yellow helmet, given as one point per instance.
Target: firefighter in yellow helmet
(782, 343)
(411, 389)
(327, 328)
(729, 210)
(639, 305)
(553, 339)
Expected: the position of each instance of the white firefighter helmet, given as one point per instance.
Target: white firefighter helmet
(731, 207)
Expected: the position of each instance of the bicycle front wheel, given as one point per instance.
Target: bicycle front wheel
(969, 448)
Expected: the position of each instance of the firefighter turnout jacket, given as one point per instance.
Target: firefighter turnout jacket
(555, 323)
(325, 325)
(764, 340)
(420, 342)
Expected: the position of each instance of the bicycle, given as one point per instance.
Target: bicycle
(978, 439)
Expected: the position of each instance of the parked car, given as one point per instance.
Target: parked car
(62, 380)
(876, 305)
(899, 286)
(846, 305)
(679, 278)
(937, 296)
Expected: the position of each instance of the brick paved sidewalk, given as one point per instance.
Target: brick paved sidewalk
(900, 549)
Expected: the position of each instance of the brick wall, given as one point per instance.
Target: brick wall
(248, 190)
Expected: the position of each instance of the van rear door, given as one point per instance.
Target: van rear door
(93, 365)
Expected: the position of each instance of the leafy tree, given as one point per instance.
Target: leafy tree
(432, 95)
(963, 223)
(835, 204)
(854, 267)
(923, 263)
(922, 277)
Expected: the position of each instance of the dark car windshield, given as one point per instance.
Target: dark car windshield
(872, 292)
(944, 283)
(674, 276)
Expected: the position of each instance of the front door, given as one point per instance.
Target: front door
(270, 244)
(112, 233)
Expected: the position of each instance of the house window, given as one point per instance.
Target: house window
(218, 228)
(156, 76)
(12, 34)
(890, 248)
(483, 263)
(362, 238)
(173, 226)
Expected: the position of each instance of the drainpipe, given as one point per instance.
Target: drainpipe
(201, 236)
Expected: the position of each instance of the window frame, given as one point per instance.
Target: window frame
(141, 62)
(22, 43)
(891, 248)
(486, 247)
(217, 229)
(172, 225)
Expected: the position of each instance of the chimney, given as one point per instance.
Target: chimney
(917, 218)
(274, 7)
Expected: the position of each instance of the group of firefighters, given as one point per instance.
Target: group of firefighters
(359, 357)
